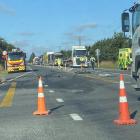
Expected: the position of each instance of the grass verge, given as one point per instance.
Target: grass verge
(108, 64)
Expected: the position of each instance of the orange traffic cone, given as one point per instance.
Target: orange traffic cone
(41, 100)
(124, 115)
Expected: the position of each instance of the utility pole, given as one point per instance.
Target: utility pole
(79, 38)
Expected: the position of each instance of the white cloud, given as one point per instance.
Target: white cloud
(21, 43)
(86, 26)
(7, 10)
(26, 34)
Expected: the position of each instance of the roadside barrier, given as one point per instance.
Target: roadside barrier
(124, 115)
(41, 108)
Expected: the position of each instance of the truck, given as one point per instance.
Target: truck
(15, 61)
(48, 58)
(134, 12)
(79, 56)
(124, 58)
(58, 57)
(36, 60)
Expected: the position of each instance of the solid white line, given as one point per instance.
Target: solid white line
(19, 76)
(59, 100)
(76, 117)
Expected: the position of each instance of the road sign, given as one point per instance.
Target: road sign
(97, 52)
(4, 53)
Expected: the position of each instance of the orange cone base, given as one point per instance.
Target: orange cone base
(125, 122)
(44, 113)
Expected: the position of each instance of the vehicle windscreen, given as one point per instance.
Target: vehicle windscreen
(58, 56)
(136, 19)
(15, 56)
(80, 53)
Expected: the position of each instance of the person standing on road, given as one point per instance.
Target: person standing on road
(92, 61)
(59, 63)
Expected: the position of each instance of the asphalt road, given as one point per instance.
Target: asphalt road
(83, 106)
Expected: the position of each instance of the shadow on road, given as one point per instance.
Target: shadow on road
(133, 114)
(53, 109)
(138, 98)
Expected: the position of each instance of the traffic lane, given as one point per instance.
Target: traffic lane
(26, 126)
(99, 105)
(60, 116)
(62, 86)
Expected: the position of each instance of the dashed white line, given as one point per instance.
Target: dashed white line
(76, 117)
(59, 100)
(51, 91)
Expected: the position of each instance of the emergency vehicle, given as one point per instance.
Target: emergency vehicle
(58, 59)
(48, 58)
(125, 58)
(15, 61)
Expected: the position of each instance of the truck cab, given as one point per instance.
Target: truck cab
(135, 23)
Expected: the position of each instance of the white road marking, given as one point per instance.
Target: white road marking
(51, 91)
(76, 117)
(30, 68)
(105, 75)
(134, 86)
(59, 100)
(124, 82)
(45, 85)
(18, 76)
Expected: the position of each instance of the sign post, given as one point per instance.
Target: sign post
(98, 57)
(4, 53)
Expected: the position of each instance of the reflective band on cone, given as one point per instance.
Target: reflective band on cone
(124, 115)
(40, 83)
(123, 99)
(122, 85)
(40, 95)
(41, 104)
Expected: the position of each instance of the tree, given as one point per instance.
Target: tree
(110, 47)
(32, 57)
(66, 54)
(4, 46)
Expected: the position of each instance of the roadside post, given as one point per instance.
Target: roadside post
(4, 53)
(98, 57)
(65, 66)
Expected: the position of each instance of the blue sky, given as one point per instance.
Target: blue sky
(51, 25)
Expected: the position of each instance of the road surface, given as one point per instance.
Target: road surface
(83, 106)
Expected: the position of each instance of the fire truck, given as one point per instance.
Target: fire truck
(15, 61)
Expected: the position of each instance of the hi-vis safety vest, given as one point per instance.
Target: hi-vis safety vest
(92, 59)
(82, 59)
(59, 61)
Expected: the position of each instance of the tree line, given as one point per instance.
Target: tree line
(109, 47)
(4, 46)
